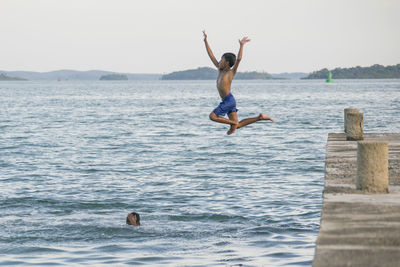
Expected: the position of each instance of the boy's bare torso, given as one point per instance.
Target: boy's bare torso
(224, 82)
(227, 68)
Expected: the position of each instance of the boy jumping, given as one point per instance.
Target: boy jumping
(227, 68)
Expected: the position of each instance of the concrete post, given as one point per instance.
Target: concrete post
(346, 111)
(372, 166)
(354, 126)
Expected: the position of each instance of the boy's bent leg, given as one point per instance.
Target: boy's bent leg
(248, 121)
(216, 118)
(232, 116)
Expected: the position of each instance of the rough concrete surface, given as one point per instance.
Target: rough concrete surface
(354, 126)
(358, 228)
(347, 111)
(372, 166)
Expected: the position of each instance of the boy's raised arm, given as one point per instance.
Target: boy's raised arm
(209, 52)
(239, 57)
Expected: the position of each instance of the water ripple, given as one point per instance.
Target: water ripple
(76, 157)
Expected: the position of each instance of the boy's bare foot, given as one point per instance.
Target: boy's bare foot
(262, 116)
(232, 129)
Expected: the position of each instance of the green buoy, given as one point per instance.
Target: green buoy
(329, 80)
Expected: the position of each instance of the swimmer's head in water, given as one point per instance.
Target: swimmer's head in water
(133, 219)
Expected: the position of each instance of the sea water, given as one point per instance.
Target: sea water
(77, 157)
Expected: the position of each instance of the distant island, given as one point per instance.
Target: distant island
(114, 77)
(4, 77)
(289, 75)
(75, 75)
(206, 73)
(373, 72)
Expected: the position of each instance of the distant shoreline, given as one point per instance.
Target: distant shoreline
(373, 72)
(4, 77)
(75, 75)
(205, 73)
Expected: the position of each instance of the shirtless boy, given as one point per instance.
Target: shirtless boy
(227, 68)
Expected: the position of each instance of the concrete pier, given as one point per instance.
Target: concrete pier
(354, 126)
(358, 228)
(347, 111)
(372, 166)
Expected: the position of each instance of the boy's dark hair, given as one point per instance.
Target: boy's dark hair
(137, 218)
(231, 58)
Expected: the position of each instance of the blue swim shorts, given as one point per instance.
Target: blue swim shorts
(227, 106)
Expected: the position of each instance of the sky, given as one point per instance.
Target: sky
(162, 36)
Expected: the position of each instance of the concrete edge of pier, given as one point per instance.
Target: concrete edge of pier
(358, 228)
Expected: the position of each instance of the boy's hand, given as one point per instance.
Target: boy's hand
(244, 40)
(209, 52)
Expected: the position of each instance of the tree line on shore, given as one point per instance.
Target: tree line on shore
(206, 73)
(373, 72)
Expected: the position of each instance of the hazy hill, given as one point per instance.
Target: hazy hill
(373, 72)
(113, 77)
(4, 77)
(292, 75)
(76, 75)
(206, 73)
